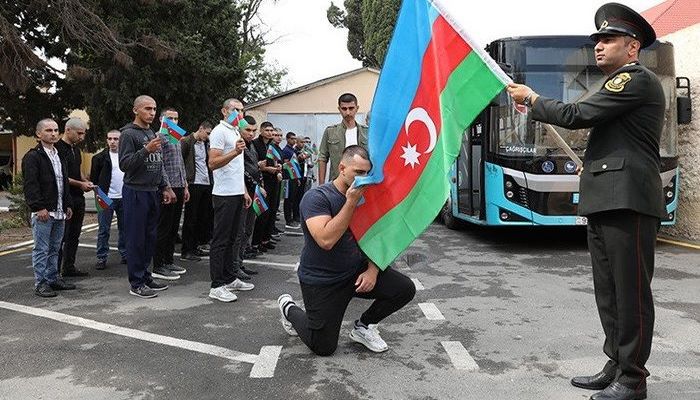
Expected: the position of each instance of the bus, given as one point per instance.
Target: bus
(510, 172)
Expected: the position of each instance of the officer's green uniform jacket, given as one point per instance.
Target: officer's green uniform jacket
(333, 144)
(621, 163)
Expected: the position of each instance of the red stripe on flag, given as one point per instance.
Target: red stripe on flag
(445, 52)
(174, 133)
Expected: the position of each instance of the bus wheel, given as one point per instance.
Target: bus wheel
(448, 219)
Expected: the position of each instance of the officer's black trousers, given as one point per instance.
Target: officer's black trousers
(621, 244)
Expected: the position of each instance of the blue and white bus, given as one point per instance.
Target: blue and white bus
(509, 172)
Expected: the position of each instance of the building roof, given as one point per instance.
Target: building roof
(310, 86)
(673, 15)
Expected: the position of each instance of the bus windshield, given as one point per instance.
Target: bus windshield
(567, 71)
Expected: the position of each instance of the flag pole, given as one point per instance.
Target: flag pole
(563, 145)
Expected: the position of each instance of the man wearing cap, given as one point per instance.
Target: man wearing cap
(620, 193)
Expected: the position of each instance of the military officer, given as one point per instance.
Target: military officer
(620, 193)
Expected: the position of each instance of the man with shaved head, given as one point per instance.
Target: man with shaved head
(145, 185)
(46, 193)
(68, 151)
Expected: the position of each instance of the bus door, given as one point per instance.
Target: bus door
(469, 170)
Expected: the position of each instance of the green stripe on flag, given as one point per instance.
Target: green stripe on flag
(470, 88)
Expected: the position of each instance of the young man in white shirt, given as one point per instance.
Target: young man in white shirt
(105, 174)
(229, 198)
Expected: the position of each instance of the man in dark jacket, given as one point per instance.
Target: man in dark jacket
(68, 151)
(621, 193)
(141, 160)
(105, 173)
(269, 168)
(46, 194)
(196, 229)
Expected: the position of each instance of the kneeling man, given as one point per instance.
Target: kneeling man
(333, 269)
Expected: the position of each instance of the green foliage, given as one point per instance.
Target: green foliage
(18, 203)
(188, 54)
(370, 24)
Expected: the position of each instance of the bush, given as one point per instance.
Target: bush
(19, 204)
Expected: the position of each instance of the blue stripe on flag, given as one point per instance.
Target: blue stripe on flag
(172, 125)
(398, 81)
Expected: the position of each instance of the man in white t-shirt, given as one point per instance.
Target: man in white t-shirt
(229, 198)
(337, 137)
(105, 174)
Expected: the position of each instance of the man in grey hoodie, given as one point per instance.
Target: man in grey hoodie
(141, 159)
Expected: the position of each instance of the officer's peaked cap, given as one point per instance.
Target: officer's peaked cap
(619, 20)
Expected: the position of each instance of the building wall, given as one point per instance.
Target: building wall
(323, 99)
(687, 56)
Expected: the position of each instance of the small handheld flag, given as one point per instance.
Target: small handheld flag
(259, 204)
(102, 201)
(273, 154)
(292, 169)
(171, 130)
(237, 119)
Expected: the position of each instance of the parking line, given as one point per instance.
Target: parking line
(266, 362)
(431, 311)
(460, 356)
(253, 262)
(263, 364)
(416, 282)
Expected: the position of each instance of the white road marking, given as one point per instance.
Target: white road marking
(460, 356)
(431, 311)
(296, 267)
(287, 233)
(253, 262)
(263, 364)
(416, 282)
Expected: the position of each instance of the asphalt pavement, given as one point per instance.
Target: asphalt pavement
(499, 314)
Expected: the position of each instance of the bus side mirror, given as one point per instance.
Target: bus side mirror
(685, 111)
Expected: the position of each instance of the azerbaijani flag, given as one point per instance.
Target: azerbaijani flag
(292, 168)
(273, 154)
(171, 130)
(102, 201)
(237, 119)
(259, 204)
(434, 83)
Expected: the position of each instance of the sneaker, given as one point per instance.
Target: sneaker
(153, 285)
(238, 284)
(101, 264)
(222, 294)
(60, 284)
(368, 336)
(44, 290)
(292, 225)
(190, 257)
(175, 268)
(164, 273)
(284, 302)
(143, 292)
(240, 274)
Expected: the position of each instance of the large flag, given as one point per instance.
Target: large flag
(434, 83)
(259, 204)
(102, 201)
(171, 130)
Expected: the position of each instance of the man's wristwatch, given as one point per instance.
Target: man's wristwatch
(528, 99)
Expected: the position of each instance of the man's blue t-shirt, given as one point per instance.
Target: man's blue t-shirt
(345, 259)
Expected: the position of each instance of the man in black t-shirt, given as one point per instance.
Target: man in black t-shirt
(333, 269)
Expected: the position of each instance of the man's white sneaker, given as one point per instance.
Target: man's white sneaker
(285, 301)
(222, 294)
(369, 337)
(240, 285)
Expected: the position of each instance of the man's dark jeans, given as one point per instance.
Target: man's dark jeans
(228, 211)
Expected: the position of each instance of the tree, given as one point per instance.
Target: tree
(185, 53)
(370, 24)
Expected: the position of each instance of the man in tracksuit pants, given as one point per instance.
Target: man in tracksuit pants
(141, 159)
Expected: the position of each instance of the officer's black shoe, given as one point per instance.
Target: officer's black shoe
(618, 391)
(599, 381)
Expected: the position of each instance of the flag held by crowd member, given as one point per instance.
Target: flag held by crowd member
(171, 130)
(102, 201)
(259, 204)
(237, 119)
(273, 154)
(293, 169)
(435, 81)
